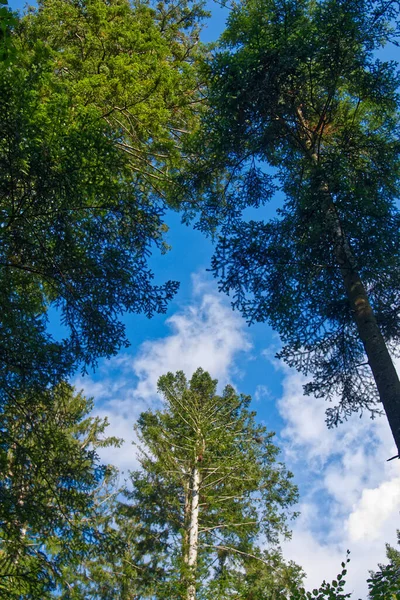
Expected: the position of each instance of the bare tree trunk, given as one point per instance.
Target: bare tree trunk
(186, 525)
(193, 535)
(379, 359)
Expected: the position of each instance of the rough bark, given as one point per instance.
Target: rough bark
(379, 359)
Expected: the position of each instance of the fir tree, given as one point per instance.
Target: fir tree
(52, 487)
(209, 486)
(296, 86)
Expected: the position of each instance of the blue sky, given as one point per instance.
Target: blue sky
(349, 494)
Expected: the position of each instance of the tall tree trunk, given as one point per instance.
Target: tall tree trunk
(186, 523)
(379, 359)
(193, 535)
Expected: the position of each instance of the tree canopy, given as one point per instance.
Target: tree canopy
(133, 63)
(106, 121)
(299, 102)
(91, 108)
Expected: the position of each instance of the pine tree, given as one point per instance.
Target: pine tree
(296, 86)
(266, 576)
(135, 65)
(92, 102)
(52, 487)
(209, 486)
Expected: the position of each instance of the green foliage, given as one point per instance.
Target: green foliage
(52, 485)
(295, 89)
(133, 63)
(7, 22)
(94, 97)
(384, 584)
(78, 217)
(76, 234)
(92, 104)
(244, 492)
(265, 576)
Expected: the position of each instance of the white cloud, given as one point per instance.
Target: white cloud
(262, 392)
(375, 508)
(350, 494)
(93, 389)
(319, 561)
(204, 334)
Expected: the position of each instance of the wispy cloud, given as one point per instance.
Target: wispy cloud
(204, 334)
